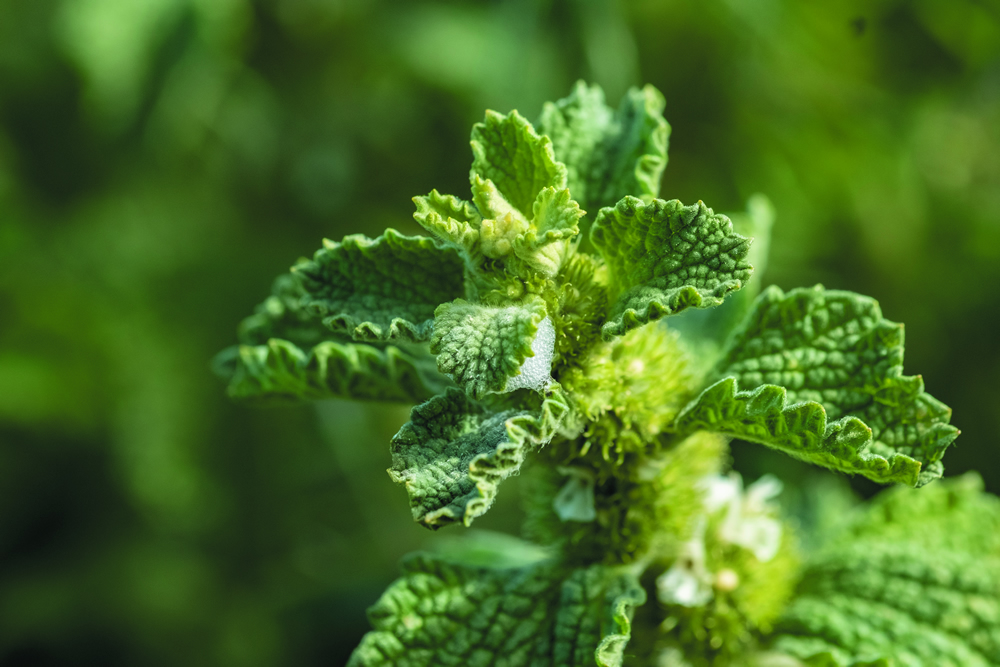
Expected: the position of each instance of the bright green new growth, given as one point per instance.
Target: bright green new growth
(566, 324)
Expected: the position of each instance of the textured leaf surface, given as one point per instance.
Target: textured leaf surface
(818, 374)
(454, 452)
(480, 347)
(281, 370)
(546, 242)
(914, 577)
(516, 160)
(608, 154)
(664, 257)
(450, 219)
(442, 613)
(520, 190)
(708, 329)
(382, 289)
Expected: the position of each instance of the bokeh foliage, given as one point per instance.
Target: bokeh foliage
(161, 161)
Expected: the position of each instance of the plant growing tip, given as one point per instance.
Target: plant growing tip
(566, 322)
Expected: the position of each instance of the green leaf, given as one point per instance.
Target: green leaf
(915, 577)
(608, 154)
(547, 241)
(664, 257)
(516, 160)
(280, 370)
(450, 219)
(819, 375)
(383, 289)
(520, 190)
(454, 452)
(283, 315)
(756, 223)
(480, 347)
(955, 514)
(915, 605)
(444, 613)
(708, 329)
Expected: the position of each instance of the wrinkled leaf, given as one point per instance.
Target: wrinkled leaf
(444, 613)
(480, 347)
(450, 219)
(546, 242)
(608, 154)
(819, 375)
(915, 605)
(516, 160)
(708, 328)
(664, 257)
(282, 371)
(454, 452)
(520, 190)
(284, 315)
(914, 578)
(383, 289)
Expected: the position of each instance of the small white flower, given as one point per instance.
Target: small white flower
(749, 520)
(575, 501)
(688, 582)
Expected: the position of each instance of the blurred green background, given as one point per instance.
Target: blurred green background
(162, 160)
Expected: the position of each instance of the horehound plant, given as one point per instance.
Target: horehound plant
(567, 323)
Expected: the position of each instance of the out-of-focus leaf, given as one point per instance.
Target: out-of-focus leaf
(955, 514)
(454, 452)
(284, 315)
(664, 257)
(819, 375)
(383, 289)
(608, 154)
(444, 613)
(916, 583)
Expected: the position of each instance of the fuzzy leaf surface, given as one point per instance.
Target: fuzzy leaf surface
(382, 289)
(516, 160)
(664, 257)
(608, 154)
(818, 374)
(914, 580)
(454, 452)
(450, 219)
(520, 190)
(479, 346)
(444, 613)
(280, 370)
